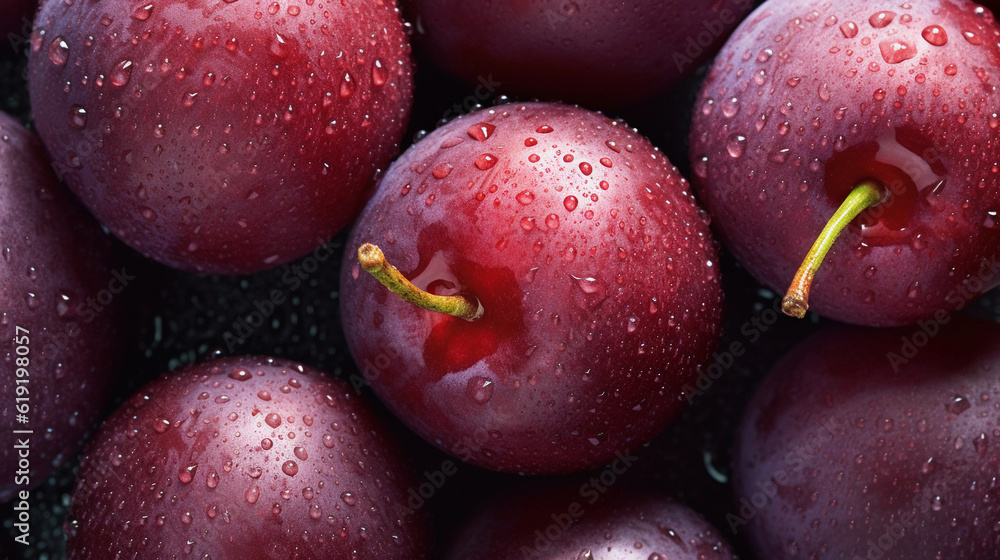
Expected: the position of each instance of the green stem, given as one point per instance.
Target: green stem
(796, 301)
(373, 261)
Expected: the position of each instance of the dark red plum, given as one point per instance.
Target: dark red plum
(811, 101)
(879, 444)
(549, 521)
(594, 272)
(245, 458)
(599, 53)
(61, 319)
(221, 137)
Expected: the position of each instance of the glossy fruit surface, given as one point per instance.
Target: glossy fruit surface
(60, 314)
(599, 53)
(595, 268)
(221, 137)
(561, 521)
(810, 98)
(867, 443)
(245, 458)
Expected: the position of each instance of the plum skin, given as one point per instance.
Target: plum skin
(894, 453)
(594, 265)
(221, 138)
(587, 51)
(557, 519)
(243, 457)
(55, 259)
(793, 116)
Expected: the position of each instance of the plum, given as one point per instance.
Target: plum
(564, 519)
(593, 267)
(61, 316)
(245, 458)
(603, 54)
(227, 136)
(882, 444)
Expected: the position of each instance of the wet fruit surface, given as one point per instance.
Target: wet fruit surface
(876, 444)
(224, 138)
(240, 457)
(600, 53)
(809, 99)
(556, 521)
(60, 314)
(595, 269)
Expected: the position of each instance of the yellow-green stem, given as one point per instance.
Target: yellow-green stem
(796, 300)
(373, 261)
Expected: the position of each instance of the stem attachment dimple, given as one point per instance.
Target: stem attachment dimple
(373, 261)
(796, 301)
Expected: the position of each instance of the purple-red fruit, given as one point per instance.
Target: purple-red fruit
(60, 315)
(599, 53)
(221, 137)
(562, 521)
(595, 271)
(244, 458)
(810, 99)
(868, 443)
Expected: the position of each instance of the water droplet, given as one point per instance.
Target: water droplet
(186, 474)
(266, 444)
(544, 129)
(935, 35)
(881, 19)
(765, 55)
(379, 74)
(958, 405)
(273, 420)
(122, 73)
(442, 171)
(485, 161)
(735, 145)
(290, 468)
(479, 389)
(552, 221)
(586, 168)
(348, 498)
(348, 85)
(730, 107)
(482, 131)
(142, 13)
(59, 51)
(252, 494)
(570, 202)
(951, 70)
(849, 29)
(240, 374)
(212, 478)
(895, 51)
(525, 197)
(972, 37)
(315, 511)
